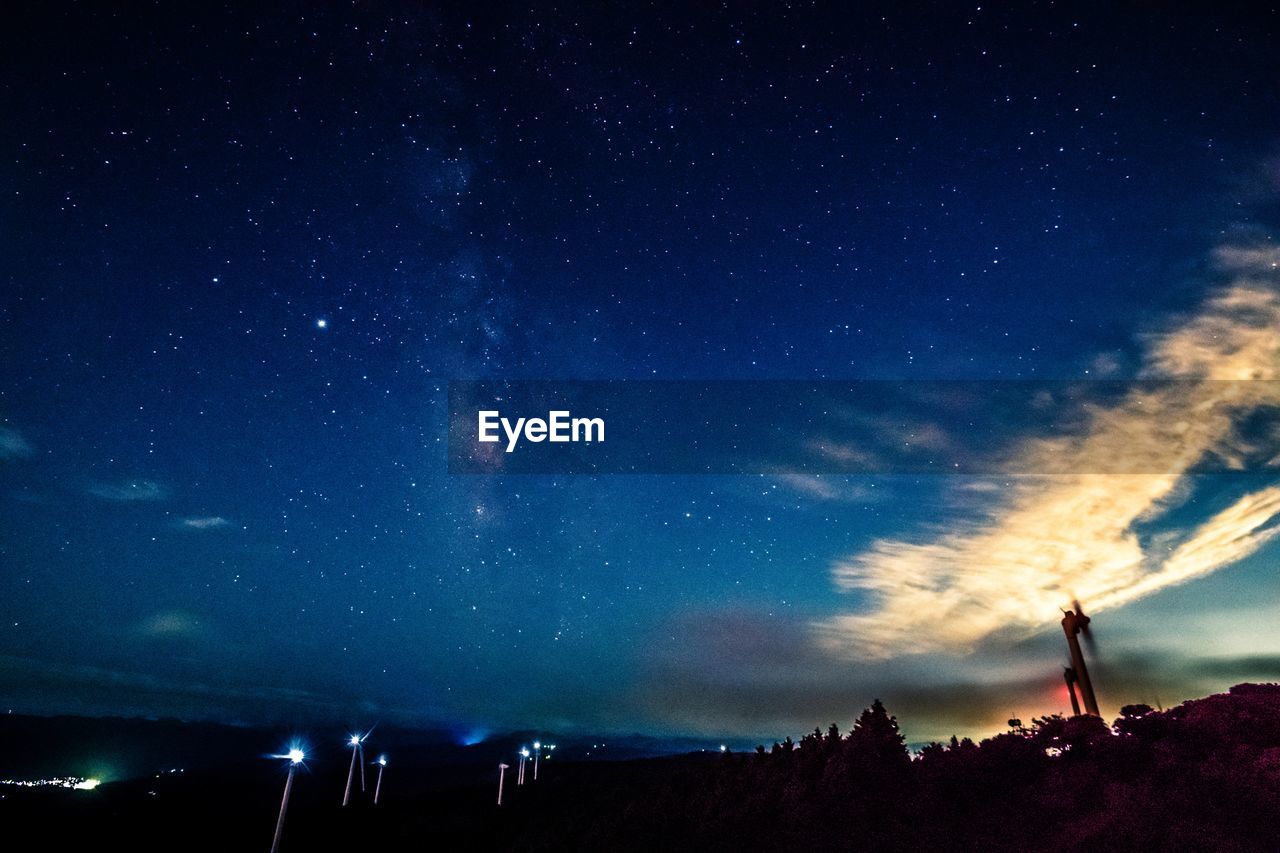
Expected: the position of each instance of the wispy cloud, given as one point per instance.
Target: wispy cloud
(821, 487)
(201, 693)
(13, 445)
(207, 522)
(885, 440)
(171, 625)
(129, 490)
(1058, 538)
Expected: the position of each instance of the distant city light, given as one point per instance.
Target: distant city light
(76, 783)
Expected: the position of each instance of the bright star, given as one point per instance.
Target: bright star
(322, 323)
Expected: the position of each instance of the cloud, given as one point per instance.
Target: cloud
(171, 625)
(885, 440)
(1056, 538)
(129, 490)
(94, 690)
(193, 690)
(1106, 364)
(1259, 257)
(827, 488)
(13, 445)
(759, 675)
(208, 522)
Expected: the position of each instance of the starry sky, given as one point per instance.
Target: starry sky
(244, 251)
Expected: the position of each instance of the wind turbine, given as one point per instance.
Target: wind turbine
(295, 757)
(502, 775)
(377, 788)
(1075, 623)
(524, 756)
(537, 753)
(1069, 676)
(356, 743)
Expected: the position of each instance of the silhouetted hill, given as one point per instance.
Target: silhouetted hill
(1204, 775)
(117, 749)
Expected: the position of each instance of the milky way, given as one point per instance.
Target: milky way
(244, 252)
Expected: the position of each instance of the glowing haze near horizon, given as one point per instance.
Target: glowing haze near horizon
(244, 251)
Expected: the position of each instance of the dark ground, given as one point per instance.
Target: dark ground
(1202, 776)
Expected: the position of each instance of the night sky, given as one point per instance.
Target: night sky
(245, 250)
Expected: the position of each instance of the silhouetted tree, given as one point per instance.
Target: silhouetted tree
(876, 744)
(1204, 774)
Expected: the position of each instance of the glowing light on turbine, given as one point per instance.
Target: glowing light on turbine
(295, 756)
(356, 742)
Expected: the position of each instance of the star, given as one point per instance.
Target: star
(322, 323)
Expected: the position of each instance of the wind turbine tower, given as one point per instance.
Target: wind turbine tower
(1075, 623)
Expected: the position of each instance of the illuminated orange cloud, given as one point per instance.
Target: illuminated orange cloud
(1052, 539)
